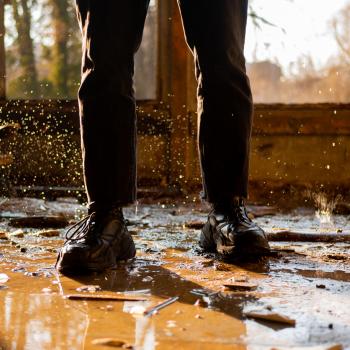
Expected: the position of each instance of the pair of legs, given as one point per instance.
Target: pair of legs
(112, 33)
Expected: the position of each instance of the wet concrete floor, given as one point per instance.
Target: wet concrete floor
(306, 282)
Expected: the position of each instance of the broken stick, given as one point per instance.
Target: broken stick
(104, 297)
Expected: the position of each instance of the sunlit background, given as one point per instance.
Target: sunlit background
(297, 51)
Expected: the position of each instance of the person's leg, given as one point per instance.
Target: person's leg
(111, 32)
(215, 32)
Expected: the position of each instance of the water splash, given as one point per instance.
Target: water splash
(325, 207)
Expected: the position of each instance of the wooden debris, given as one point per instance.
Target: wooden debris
(317, 347)
(48, 233)
(337, 256)
(240, 286)
(270, 316)
(154, 309)
(196, 225)
(290, 236)
(104, 297)
(40, 222)
(3, 235)
(112, 342)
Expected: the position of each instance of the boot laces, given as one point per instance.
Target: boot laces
(241, 214)
(81, 229)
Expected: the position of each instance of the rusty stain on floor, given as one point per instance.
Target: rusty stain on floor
(305, 282)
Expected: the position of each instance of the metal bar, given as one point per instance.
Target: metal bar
(150, 311)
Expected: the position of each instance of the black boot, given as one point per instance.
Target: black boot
(230, 232)
(96, 243)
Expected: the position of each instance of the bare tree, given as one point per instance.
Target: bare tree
(341, 30)
(22, 16)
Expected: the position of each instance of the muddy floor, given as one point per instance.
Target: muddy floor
(304, 286)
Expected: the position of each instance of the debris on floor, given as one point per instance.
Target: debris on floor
(116, 343)
(298, 298)
(104, 297)
(270, 316)
(155, 309)
(239, 286)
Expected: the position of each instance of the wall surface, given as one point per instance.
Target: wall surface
(294, 148)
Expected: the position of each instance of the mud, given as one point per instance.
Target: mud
(306, 282)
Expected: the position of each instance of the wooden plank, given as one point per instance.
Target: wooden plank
(290, 236)
(277, 120)
(303, 119)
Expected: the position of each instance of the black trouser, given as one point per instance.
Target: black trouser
(112, 33)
